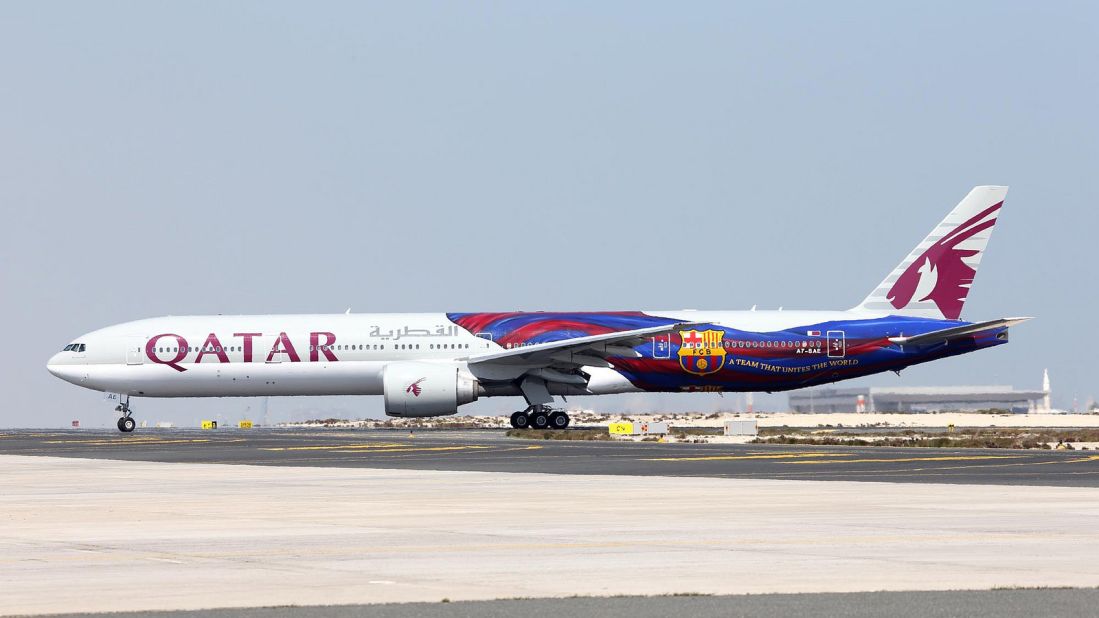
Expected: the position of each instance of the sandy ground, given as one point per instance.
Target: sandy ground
(95, 535)
(942, 419)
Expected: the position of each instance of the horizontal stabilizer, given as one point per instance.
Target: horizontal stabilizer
(957, 331)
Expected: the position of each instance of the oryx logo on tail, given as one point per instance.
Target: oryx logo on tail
(942, 275)
(934, 279)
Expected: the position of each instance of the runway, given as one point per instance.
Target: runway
(492, 451)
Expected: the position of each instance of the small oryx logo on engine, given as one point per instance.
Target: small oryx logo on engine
(414, 388)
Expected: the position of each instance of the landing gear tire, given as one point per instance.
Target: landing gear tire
(539, 419)
(520, 420)
(126, 424)
(559, 420)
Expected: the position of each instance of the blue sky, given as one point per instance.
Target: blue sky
(258, 157)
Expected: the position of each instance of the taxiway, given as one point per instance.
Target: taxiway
(492, 451)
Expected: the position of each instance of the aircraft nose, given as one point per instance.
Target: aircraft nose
(63, 368)
(54, 365)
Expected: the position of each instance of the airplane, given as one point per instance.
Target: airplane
(430, 364)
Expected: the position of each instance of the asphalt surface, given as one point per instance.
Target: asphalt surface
(492, 451)
(1039, 602)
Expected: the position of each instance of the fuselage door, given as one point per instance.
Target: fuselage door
(837, 344)
(662, 346)
(135, 351)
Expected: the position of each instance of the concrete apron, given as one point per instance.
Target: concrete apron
(97, 535)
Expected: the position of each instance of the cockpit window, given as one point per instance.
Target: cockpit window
(74, 347)
(69, 347)
(80, 347)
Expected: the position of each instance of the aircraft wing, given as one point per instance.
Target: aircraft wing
(957, 331)
(588, 350)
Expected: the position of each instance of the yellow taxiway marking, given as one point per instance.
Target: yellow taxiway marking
(326, 447)
(413, 449)
(907, 459)
(133, 441)
(736, 457)
(384, 447)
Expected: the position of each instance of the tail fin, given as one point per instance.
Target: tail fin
(934, 280)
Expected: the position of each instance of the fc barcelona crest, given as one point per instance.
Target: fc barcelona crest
(701, 352)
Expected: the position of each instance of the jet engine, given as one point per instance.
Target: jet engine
(425, 389)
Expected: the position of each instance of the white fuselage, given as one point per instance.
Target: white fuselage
(322, 354)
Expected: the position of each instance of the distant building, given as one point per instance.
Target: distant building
(921, 399)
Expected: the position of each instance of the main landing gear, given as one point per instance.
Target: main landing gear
(540, 417)
(126, 424)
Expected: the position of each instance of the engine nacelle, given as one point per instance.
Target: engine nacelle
(425, 389)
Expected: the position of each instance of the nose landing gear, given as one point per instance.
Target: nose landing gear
(126, 424)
